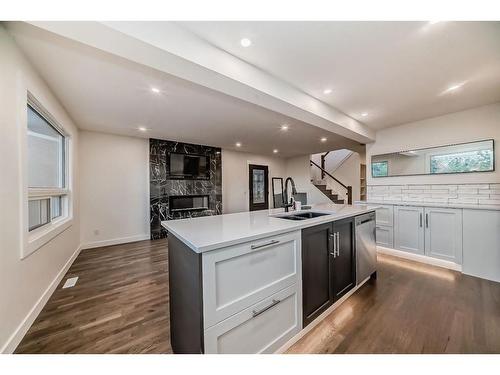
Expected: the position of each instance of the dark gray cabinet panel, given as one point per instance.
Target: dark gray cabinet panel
(316, 271)
(327, 274)
(344, 262)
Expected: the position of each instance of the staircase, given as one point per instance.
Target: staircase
(328, 192)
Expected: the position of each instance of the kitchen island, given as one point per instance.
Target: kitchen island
(249, 282)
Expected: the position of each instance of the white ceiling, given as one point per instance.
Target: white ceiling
(394, 71)
(103, 92)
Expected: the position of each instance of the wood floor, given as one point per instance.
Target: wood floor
(120, 305)
(412, 308)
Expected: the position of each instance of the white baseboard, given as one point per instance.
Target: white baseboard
(21, 330)
(318, 320)
(115, 241)
(420, 258)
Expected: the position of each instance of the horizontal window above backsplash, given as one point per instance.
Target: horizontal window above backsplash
(488, 194)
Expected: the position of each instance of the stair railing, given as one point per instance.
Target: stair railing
(348, 188)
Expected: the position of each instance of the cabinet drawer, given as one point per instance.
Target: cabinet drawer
(261, 328)
(384, 236)
(239, 276)
(385, 215)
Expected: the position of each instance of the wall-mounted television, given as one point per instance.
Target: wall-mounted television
(189, 166)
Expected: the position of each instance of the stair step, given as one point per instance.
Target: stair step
(328, 192)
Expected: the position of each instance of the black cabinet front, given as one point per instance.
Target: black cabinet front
(344, 263)
(316, 271)
(328, 266)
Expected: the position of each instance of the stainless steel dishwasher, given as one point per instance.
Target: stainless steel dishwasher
(366, 247)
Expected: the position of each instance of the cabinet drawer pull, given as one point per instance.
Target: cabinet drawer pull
(273, 242)
(274, 303)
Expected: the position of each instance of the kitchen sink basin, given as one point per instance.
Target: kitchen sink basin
(310, 215)
(302, 216)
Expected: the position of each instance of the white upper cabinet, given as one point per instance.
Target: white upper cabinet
(409, 229)
(443, 233)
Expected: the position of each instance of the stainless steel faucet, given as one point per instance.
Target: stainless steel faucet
(287, 204)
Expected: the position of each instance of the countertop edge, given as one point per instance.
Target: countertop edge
(483, 207)
(293, 227)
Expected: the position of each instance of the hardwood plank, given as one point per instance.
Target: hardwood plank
(120, 305)
(412, 308)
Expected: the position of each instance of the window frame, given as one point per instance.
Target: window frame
(429, 157)
(386, 162)
(40, 235)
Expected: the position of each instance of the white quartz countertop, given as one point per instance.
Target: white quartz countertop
(428, 204)
(207, 233)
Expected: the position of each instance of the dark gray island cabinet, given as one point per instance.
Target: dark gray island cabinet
(328, 265)
(255, 294)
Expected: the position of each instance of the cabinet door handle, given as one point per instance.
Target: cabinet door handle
(427, 220)
(273, 242)
(258, 312)
(338, 244)
(334, 247)
(420, 220)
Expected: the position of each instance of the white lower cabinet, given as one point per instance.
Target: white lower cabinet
(481, 244)
(236, 277)
(409, 229)
(384, 215)
(443, 233)
(435, 232)
(261, 328)
(384, 235)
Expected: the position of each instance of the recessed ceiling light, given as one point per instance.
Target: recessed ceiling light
(238, 144)
(364, 114)
(245, 42)
(284, 127)
(323, 139)
(275, 151)
(155, 90)
(327, 91)
(142, 128)
(454, 87)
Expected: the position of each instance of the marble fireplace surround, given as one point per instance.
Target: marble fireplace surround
(162, 187)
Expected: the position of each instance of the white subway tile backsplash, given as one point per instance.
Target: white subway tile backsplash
(476, 186)
(489, 201)
(464, 200)
(467, 190)
(436, 200)
(418, 187)
(439, 193)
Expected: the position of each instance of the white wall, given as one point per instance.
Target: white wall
(26, 284)
(114, 189)
(235, 178)
(465, 126)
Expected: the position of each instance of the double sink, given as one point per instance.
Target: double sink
(302, 216)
